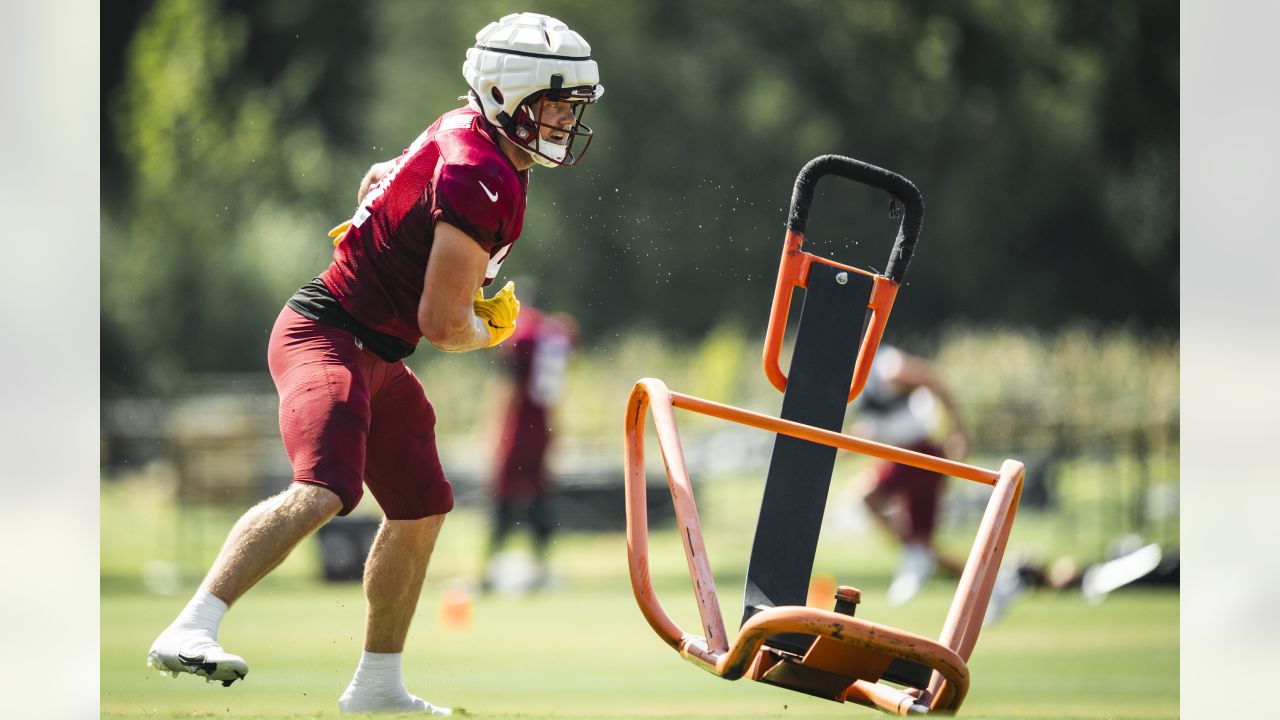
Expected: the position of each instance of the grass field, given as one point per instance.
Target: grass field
(588, 653)
(583, 650)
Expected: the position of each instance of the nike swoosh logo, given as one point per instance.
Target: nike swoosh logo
(492, 195)
(494, 325)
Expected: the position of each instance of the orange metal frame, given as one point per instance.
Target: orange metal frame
(847, 647)
(793, 272)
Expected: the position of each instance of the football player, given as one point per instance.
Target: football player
(537, 360)
(433, 226)
(899, 406)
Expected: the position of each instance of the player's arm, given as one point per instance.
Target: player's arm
(455, 271)
(376, 171)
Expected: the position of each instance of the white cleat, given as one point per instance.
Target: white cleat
(176, 652)
(352, 703)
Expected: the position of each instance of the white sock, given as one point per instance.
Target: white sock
(379, 685)
(202, 614)
(380, 672)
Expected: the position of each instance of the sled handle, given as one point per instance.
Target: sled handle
(900, 188)
(793, 272)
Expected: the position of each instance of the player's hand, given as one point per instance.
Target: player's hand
(376, 171)
(339, 232)
(498, 312)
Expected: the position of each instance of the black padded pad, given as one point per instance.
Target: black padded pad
(832, 323)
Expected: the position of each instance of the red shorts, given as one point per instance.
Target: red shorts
(920, 491)
(347, 417)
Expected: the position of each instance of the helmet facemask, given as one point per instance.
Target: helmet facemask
(560, 146)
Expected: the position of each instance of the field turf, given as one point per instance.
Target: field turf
(582, 650)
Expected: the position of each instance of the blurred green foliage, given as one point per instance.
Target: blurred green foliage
(1044, 137)
(1079, 387)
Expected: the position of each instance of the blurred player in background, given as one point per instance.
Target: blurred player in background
(432, 227)
(900, 406)
(537, 357)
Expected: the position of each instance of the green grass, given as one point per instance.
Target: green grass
(583, 650)
(588, 653)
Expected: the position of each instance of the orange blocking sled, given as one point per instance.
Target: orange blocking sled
(826, 653)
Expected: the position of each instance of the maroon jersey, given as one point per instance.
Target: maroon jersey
(454, 171)
(539, 355)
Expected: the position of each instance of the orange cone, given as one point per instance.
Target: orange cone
(822, 588)
(455, 606)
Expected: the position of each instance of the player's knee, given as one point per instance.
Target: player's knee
(417, 527)
(314, 500)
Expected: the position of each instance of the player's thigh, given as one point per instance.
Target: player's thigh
(402, 466)
(923, 498)
(322, 381)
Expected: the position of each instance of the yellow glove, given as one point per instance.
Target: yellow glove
(339, 232)
(499, 312)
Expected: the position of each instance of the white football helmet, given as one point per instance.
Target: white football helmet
(518, 61)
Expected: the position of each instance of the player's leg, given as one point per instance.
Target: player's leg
(393, 580)
(542, 526)
(503, 510)
(537, 440)
(921, 492)
(258, 542)
(502, 521)
(923, 500)
(324, 410)
(879, 498)
(265, 535)
(404, 474)
(887, 499)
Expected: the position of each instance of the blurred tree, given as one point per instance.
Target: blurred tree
(1043, 135)
(227, 161)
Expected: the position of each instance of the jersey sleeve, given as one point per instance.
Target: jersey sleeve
(478, 202)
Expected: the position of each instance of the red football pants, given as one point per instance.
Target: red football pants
(347, 417)
(919, 490)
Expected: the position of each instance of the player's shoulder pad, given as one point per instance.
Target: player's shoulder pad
(482, 184)
(457, 120)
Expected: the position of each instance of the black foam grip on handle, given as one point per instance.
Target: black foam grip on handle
(899, 187)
